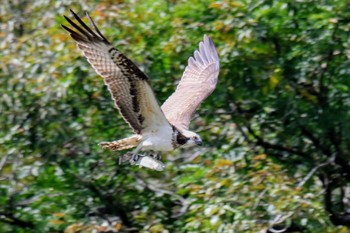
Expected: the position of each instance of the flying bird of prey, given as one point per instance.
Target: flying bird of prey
(156, 128)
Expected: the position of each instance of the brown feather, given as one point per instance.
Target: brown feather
(128, 85)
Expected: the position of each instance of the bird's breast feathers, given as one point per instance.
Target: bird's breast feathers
(158, 139)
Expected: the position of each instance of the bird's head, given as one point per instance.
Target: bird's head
(189, 139)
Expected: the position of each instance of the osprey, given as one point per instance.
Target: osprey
(155, 128)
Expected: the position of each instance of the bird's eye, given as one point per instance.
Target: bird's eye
(194, 138)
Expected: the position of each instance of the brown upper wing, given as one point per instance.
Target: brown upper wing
(129, 86)
(197, 83)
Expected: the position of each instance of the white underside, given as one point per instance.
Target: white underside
(158, 140)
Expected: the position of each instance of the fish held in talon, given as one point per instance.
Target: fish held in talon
(149, 162)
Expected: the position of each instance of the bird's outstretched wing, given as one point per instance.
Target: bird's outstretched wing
(197, 83)
(128, 85)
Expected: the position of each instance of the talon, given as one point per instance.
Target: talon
(157, 156)
(134, 158)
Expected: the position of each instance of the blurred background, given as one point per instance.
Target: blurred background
(276, 130)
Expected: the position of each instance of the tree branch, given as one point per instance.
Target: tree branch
(110, 203)
(153, 188)
(313, 171)
(268, 145)
(9, 218)
(341, 162)
(317, 143)
(337, 219)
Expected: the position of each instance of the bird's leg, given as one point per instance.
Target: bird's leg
(135, 155)
(148, 153)
(156, 155)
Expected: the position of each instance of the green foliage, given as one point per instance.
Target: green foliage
(276, 129)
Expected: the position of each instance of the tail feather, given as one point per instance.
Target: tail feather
(122, 144)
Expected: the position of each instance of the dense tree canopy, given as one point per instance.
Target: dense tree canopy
(276, 130)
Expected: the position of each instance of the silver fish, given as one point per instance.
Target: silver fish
(150, 162)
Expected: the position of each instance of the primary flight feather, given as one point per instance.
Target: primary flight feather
(156, 129)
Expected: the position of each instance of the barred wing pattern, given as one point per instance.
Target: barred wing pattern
(129, 86)
(197, 83)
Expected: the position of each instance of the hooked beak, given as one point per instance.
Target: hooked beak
(198, 142)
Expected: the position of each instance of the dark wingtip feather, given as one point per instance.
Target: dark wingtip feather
(95, 27)
(73, 13)
(65, 27)
(76, 36)
(88, 30)
(83, 32)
